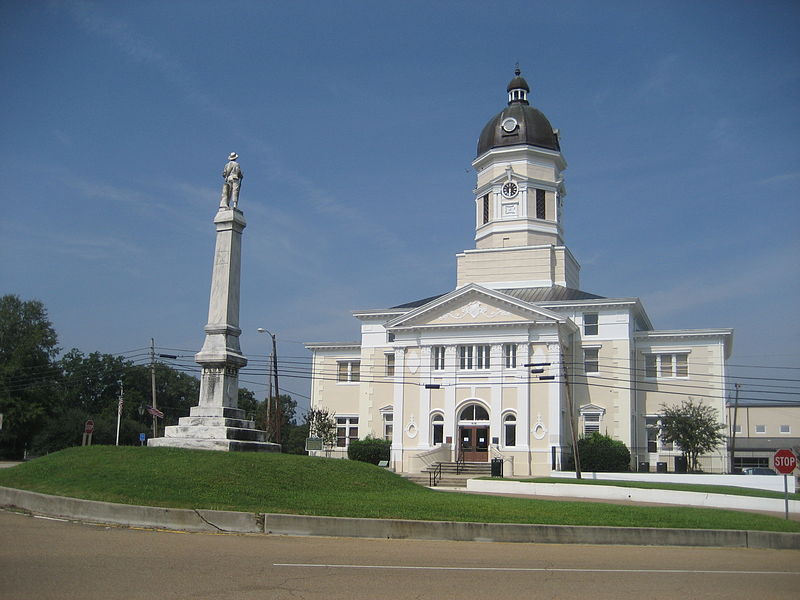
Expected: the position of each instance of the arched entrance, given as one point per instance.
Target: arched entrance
(473, 429)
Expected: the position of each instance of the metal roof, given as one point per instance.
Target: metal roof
(555, 293)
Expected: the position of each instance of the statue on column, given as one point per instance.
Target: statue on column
(232, 174)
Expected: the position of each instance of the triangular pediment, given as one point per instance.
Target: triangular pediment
(471, 305)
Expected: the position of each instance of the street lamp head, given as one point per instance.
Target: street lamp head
(261, 330)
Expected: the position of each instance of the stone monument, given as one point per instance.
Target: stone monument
(217, 422)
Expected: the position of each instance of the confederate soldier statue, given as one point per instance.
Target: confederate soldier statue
(232, 174)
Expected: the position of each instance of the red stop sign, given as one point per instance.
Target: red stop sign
(785, 461)
(89, 426)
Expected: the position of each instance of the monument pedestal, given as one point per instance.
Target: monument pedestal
(208, 428)
(217, 423)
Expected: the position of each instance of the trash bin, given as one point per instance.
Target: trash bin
(681, 465)
(661, 467)
(644, 467)
(497, 467)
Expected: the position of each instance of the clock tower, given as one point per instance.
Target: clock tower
(519, 199)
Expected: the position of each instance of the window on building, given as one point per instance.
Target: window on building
(541, 211)
(591, 423)
(438, 358)
(346, 431)
(474, 357)
(437, 428)
(482, 357)
(666, 365)
(388, 425)
(474, 412)
(389, 364)
(651, 424)
(591, 361)
(785, 429)
(349, 370)
(590, 324)
(510, 356)
(485, 209)
(737, 428)
(510, 429)
(761, 429)
(465, 357)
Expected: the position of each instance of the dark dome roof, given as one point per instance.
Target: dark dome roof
(532, 127)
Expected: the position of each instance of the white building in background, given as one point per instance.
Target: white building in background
(448, 377)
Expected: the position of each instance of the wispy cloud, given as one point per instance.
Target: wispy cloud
(763, 274)
(781, 178)
(661, 79)
(140, 48)
(95, 247)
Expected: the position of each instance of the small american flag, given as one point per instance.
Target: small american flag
(155, 412)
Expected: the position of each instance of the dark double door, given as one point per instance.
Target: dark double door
(474, 443)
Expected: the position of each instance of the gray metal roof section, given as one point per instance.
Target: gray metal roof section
(418, 303)
(555, 293)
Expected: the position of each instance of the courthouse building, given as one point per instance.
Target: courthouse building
(500, 365)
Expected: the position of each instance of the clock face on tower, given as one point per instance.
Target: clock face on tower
(510, 189)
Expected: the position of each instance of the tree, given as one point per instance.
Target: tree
(288, 408)
(321, 424)
(29, 376)
(92, 383)
(694, 427)
(603, 454)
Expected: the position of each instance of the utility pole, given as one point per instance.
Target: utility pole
(273, 411)
(733, 433)
(153, 383)
(570, 416)
(119, 410)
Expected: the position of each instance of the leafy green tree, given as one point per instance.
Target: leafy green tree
(288, 408)
(248, 403)
(29, 376)
(295, 441)
(603, 454)
(694, 427)
(321, 424)
(93, 383)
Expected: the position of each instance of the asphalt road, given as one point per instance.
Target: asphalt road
(44, 558)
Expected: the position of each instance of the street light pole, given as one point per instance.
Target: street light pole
(277, 412)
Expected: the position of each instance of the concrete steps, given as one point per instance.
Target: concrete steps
(453, 475)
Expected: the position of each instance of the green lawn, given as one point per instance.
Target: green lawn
(317, 486)
(654, 485)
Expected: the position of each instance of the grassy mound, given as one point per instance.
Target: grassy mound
(284, 483)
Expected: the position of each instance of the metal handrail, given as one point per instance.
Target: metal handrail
(460, 461)
(435, 476)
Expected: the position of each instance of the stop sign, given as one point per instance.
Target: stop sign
(89, 426)
(785, 461)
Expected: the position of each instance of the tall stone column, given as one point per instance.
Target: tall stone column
(217, 422)
(221, 357)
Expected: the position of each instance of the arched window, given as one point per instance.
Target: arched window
(437, 428)
(474, 412)
(510, 429)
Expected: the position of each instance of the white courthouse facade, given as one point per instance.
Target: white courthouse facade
(499, 366)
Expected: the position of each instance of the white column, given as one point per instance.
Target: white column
(221, 357)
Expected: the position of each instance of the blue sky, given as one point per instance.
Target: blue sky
(356, 123)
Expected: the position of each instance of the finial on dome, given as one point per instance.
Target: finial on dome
(517, 72)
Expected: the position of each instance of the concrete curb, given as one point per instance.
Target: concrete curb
(133, 516)
(281, 524)
(618, 492)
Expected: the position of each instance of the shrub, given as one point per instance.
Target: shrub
(600, 453)
(370, 450)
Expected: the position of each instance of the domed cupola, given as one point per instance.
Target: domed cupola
(519, 123)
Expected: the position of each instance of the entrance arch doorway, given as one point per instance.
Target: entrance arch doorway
(473, 429)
